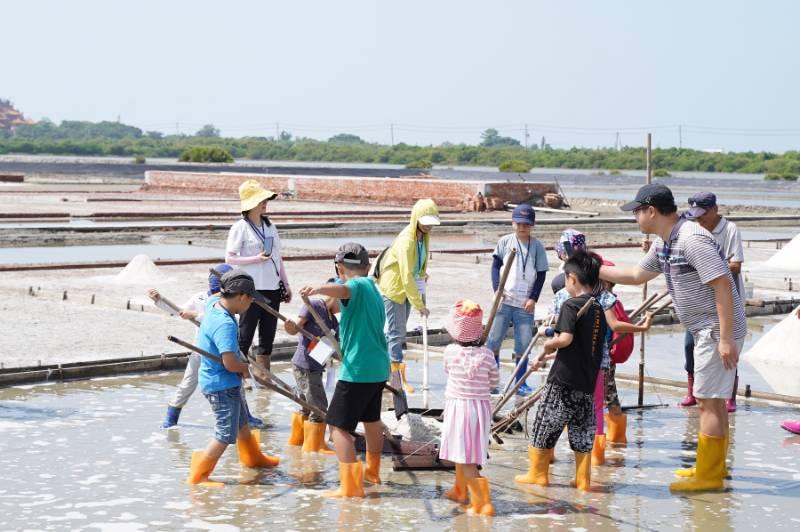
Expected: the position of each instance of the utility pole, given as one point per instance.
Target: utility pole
(617, 144)
(391, 133)
(527, 136)
(680, 136)
(177, 128)
(277, 131)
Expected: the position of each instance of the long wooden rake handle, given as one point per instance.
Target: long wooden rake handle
(498, 296)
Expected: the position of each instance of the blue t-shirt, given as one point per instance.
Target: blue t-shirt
(219, 333)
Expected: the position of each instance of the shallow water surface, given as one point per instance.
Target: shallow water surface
(89, 455)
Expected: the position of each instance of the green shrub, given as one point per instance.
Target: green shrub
(420, 164)
(139, 159)
(205, 154)
(515, 166)
(777, 176)
(614, 172)
(660, 172)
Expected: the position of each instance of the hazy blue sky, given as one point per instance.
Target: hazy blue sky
(574, 71)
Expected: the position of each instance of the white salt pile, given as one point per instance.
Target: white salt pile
(140, 270)
(413, 427)
(788, 258)
(776, 357)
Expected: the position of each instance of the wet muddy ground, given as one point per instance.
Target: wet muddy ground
(90, 456)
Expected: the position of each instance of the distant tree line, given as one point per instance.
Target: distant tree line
(112, 138)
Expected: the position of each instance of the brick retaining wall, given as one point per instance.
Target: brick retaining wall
(394, 191)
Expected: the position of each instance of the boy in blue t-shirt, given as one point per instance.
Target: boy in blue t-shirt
(364, 371)
(221, 381)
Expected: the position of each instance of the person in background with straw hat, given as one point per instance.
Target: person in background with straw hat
(403, 278)
(255, 247)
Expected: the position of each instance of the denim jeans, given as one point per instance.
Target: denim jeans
(523, 328)
(395, 328)
(229, 413)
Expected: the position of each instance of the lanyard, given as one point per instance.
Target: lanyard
(524, 256)
(261, 233)
(673, 236)
(420, 257)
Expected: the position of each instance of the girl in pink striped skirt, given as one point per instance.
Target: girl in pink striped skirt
(471, 374)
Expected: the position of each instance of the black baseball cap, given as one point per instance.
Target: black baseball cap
(352, 254)
(654, 194)
(240, 282)
(700, 203)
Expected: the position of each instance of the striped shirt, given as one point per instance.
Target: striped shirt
(471, 372)
(689, 261)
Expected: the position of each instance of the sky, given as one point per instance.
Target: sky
(705, 74)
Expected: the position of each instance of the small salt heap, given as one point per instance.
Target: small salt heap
(788, 258)
(140, 270)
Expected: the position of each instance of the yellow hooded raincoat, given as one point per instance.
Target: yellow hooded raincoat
(397, 267)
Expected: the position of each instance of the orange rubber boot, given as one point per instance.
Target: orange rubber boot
(373, 472)
(250, 454)
(202, 466)
(599, 450)
(351, 481)
(480, 497)
(458, 492)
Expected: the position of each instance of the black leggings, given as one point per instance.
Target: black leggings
(266, 323)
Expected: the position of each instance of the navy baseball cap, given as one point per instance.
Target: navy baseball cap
(238, 282)
(523, 214)
(654, 195)
(700, 203)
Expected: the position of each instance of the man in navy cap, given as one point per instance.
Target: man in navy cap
(522, 288)
(707, 304)
(703, 209)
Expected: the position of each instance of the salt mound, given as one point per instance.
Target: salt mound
(776, 356)
(140, 270)
(788, 257)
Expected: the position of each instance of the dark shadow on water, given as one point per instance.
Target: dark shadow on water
(20, 412)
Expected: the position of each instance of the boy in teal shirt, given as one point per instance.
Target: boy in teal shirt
(364, 370)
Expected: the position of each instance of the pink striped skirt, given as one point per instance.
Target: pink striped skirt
(465, 433)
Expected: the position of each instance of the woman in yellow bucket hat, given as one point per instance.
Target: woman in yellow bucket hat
(255, 247)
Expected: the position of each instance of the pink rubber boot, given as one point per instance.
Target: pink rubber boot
(791, 426)
(689, 400)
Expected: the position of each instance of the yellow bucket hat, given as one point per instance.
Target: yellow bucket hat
(251, 193)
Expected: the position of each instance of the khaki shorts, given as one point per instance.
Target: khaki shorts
(711, 379)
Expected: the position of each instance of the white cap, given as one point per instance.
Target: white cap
(429, 219)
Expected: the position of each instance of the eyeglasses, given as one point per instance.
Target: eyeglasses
(639, 209)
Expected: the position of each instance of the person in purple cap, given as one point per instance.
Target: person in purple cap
(707, 304)
(522, 289)
(703, 209)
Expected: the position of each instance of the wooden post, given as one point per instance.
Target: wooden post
(649, 178)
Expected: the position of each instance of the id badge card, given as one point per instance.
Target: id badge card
(322, 352)
(421, 284)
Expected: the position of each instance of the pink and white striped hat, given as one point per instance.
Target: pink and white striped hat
(465, 321)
